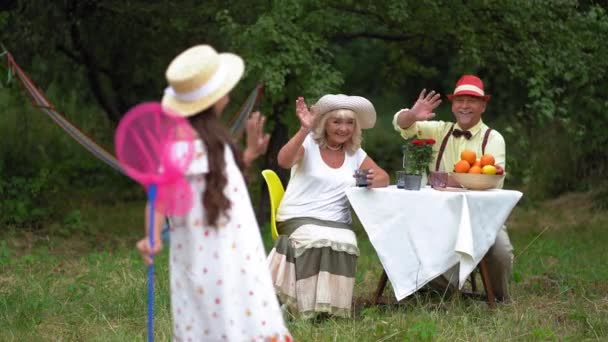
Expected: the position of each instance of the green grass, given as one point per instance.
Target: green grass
(82, 280)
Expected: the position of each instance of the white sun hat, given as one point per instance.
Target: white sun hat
(363, 108)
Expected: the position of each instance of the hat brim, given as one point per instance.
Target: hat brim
(362, 107)
(470, 93)
(235, 66)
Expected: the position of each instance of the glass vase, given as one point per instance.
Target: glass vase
(409, 166)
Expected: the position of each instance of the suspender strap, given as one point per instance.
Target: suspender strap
(486, 136)
(442, 148)
(485, 140)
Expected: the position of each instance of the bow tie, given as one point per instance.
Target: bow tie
(458, 133)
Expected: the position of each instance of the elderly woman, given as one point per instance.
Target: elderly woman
(314, 260)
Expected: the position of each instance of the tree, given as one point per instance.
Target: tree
(541, 60)
(120, 48)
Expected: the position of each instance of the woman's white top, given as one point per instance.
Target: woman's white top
(317, 190)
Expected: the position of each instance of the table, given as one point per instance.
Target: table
(419, 235)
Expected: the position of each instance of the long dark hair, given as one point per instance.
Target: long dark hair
(215, 136)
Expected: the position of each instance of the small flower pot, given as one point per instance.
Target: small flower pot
(412, 182)
(408, 182)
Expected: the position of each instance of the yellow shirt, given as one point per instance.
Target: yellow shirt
(437, 131)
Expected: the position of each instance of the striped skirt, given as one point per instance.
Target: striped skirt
(313, 266)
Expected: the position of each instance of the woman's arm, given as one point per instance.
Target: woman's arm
(292, 152)
(377, 177)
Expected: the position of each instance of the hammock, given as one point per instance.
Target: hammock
(236, 123)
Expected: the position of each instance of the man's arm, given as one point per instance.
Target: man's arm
(405, 118)
(421, 111)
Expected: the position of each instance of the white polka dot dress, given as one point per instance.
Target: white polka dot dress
(221, 288)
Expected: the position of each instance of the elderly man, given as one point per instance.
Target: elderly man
(469, 132)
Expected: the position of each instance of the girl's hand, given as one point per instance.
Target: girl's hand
(257, 140)
(147, 251)
(305, 116)
(424, 106)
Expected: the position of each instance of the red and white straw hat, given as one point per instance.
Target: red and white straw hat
(469, 85)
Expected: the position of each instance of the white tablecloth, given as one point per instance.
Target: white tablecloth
(419, 235)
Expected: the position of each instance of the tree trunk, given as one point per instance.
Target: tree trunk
(93, 74)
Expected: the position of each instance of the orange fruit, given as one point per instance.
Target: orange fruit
(477, 163)
(462, 166)
(487, 159)
(475, 169)
(469, 156)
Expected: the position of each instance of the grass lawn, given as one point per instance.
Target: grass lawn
(82, 280)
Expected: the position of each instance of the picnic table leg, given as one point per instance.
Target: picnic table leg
(487, 284)
(473, 282)
(380, 287)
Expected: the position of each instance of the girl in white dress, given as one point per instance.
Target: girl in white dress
(221, 288)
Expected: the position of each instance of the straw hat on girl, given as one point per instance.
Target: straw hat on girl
(199, 77)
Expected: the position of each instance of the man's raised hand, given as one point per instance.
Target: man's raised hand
(425, 104)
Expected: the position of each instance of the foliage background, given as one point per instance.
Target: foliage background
(543, 62)
(68, 269)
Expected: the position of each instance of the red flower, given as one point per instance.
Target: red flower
(418, 142)
(417, 155)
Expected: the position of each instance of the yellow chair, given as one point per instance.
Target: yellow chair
(275, 192)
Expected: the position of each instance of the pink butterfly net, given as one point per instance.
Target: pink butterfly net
(155, 147)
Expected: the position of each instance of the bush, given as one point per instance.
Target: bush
(26, 200)
(38, 160)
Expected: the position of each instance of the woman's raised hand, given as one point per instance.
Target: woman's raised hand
(305, 116)
(426, 103)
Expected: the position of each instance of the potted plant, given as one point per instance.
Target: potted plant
(417, 154)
